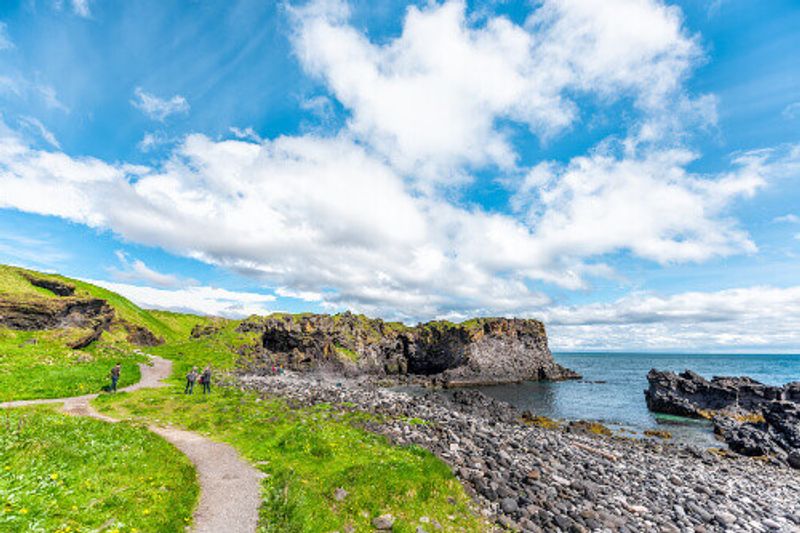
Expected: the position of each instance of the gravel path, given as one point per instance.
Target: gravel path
(230, 488)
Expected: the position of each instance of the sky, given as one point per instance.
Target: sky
(627, 171)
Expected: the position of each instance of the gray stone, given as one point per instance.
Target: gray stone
(509, 505)
(383, 522)
(725, 518)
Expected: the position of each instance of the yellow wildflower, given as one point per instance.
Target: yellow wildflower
(54, 476)
(23, 511)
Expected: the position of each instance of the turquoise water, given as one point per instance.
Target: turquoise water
(613, 383)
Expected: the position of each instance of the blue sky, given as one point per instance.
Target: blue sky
(626, 170)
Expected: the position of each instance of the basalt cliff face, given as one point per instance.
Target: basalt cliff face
(479, 351)
(752, 418)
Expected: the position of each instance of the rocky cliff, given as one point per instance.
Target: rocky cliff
(479, 351)
(754, 419)
(86, 315)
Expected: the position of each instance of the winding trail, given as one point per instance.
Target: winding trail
(230, 488)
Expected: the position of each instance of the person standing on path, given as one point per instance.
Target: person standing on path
(205, 379)
(115, 372)
(191, 377)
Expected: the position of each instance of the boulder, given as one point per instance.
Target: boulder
(754, 419)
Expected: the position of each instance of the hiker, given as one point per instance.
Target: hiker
(115, 372)
(281, 371)
(205, 380)
(191, 377)
(274, 370)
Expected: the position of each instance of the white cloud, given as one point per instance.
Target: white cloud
(430, 99)
(81, 8)
(50, 97)
(137, 270)
(5, 41)
(152, 139)
(19, 86)
(40, 129)
(306, 296)
(158, 108)
(751, 318)
(31, 251)
(248, 134)
(322, 215)
(648, 204)
(791, 111)
(202, 300)
(791, 218)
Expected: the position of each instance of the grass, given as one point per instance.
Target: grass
(219, 350)
(346, 353)
(37, 364)
(69, 474)
(308, 453)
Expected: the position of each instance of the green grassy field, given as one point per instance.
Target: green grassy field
(308, 454)
(70, 474)
(37, 364)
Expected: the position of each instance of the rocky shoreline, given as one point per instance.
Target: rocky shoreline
(563, 477)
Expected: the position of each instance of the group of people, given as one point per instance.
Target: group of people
(194, 375)
(191, 378)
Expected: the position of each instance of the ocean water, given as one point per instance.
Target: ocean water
(611, 390)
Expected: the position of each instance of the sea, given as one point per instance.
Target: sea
(613, 384)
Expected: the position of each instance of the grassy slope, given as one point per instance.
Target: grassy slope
(62, 473)
(48, 369)
(40, 365)
(307, 454)
(13, 284)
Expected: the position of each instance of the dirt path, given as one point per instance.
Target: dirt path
(230, 488)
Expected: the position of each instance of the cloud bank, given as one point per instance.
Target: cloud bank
(368, 217)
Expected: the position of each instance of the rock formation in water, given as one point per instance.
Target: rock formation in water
(753, 418)
(479, 351)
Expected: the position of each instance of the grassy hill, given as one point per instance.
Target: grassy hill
(18, 284)
(41, 362)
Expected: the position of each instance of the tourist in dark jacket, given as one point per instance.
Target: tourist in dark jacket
(115, 373)
(191, 377)
(205, 380)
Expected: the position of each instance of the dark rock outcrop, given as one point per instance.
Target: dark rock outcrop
(754, 419)
(52, 313)
(57, 287)
(479, 351)
(141, 336)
